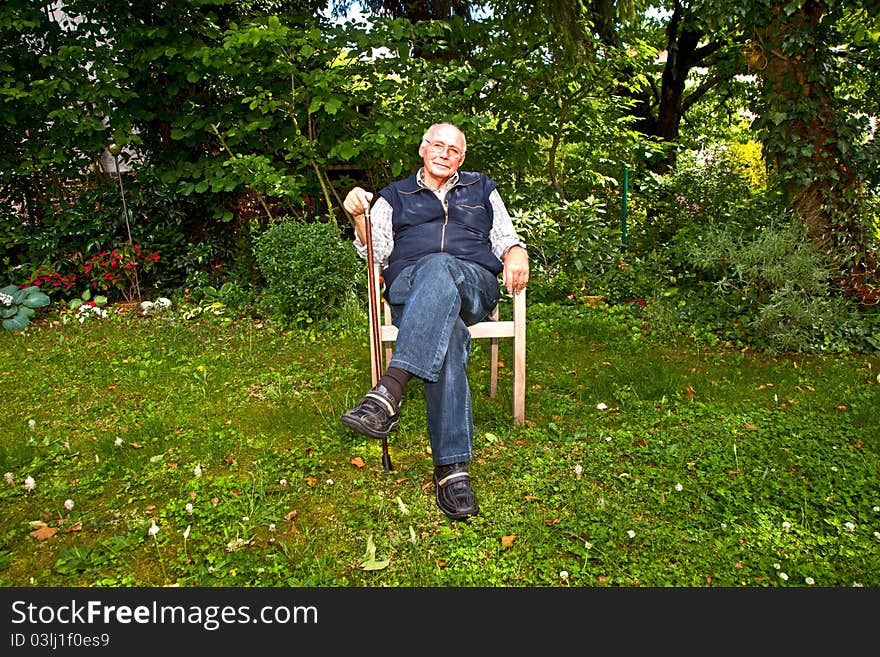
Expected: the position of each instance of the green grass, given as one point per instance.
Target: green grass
(705, 467)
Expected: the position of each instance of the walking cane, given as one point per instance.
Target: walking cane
(374, 319)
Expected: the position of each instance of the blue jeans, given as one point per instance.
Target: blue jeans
(432, 304)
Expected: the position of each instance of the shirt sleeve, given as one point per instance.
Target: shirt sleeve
(503, 234)
(380, 227)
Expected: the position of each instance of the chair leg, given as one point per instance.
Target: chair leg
(493, 372)
(519, 359)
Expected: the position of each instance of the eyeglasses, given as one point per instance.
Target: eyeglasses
(438, 148)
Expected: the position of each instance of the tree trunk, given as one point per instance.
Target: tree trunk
(801, 139)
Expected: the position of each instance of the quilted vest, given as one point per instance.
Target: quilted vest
(423, 225)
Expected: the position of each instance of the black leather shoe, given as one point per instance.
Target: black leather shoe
(452, 487)
(376, 415)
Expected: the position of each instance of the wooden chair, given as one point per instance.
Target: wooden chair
(492, 328)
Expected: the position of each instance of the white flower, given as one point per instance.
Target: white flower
(848, 526)
(9, 478)
(271, 526)
(186, 531)
(588, 545)
(833, 468)
(237, 544)
(679, 487)
(877, 535)
(32, 424)
(197, 471)
(578, 470)
(118, 441)
(601, 406)
(777, 566)
(68, 504)
(282, 482)
(29, 483)
(786, 525)
(163, 302)
(563, 575)
(630, 533)
(607, 439)
(5, 299)
(330, 482)
(245, 518)
(783, 577)
(877, 509)
(189, 508)
(809, 580)
(154, 528)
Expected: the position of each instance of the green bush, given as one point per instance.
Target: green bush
(308, 268)
(773, 290)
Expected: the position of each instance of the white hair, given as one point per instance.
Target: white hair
(446, 124)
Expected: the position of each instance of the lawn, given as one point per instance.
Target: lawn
(203, 450)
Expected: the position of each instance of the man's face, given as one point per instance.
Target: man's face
(442, 153)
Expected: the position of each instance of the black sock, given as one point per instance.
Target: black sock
(394, 381)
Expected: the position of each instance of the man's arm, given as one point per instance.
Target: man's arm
(355, 204)
(507, 245)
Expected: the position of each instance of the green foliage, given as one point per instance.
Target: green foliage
(17, 305)
(99, 300)
(308, 267)
(773, 289)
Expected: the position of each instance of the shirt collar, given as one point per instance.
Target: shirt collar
(449, 184)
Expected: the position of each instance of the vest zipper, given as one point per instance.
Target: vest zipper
(445, 221)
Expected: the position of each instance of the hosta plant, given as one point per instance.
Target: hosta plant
(17, 305)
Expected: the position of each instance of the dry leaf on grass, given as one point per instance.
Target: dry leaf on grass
(44, 532)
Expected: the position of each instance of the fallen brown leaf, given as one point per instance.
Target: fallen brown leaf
(43, 533)
(357, 461)
(507, 541)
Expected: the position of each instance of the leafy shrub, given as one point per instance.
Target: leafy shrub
(308, 267)
(772, 289)
(120, 270)
(17, 305)
(574, 250)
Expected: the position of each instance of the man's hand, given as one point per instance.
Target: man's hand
(356, 203)
(516, 269)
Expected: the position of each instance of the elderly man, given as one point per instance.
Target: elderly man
(442, 237)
